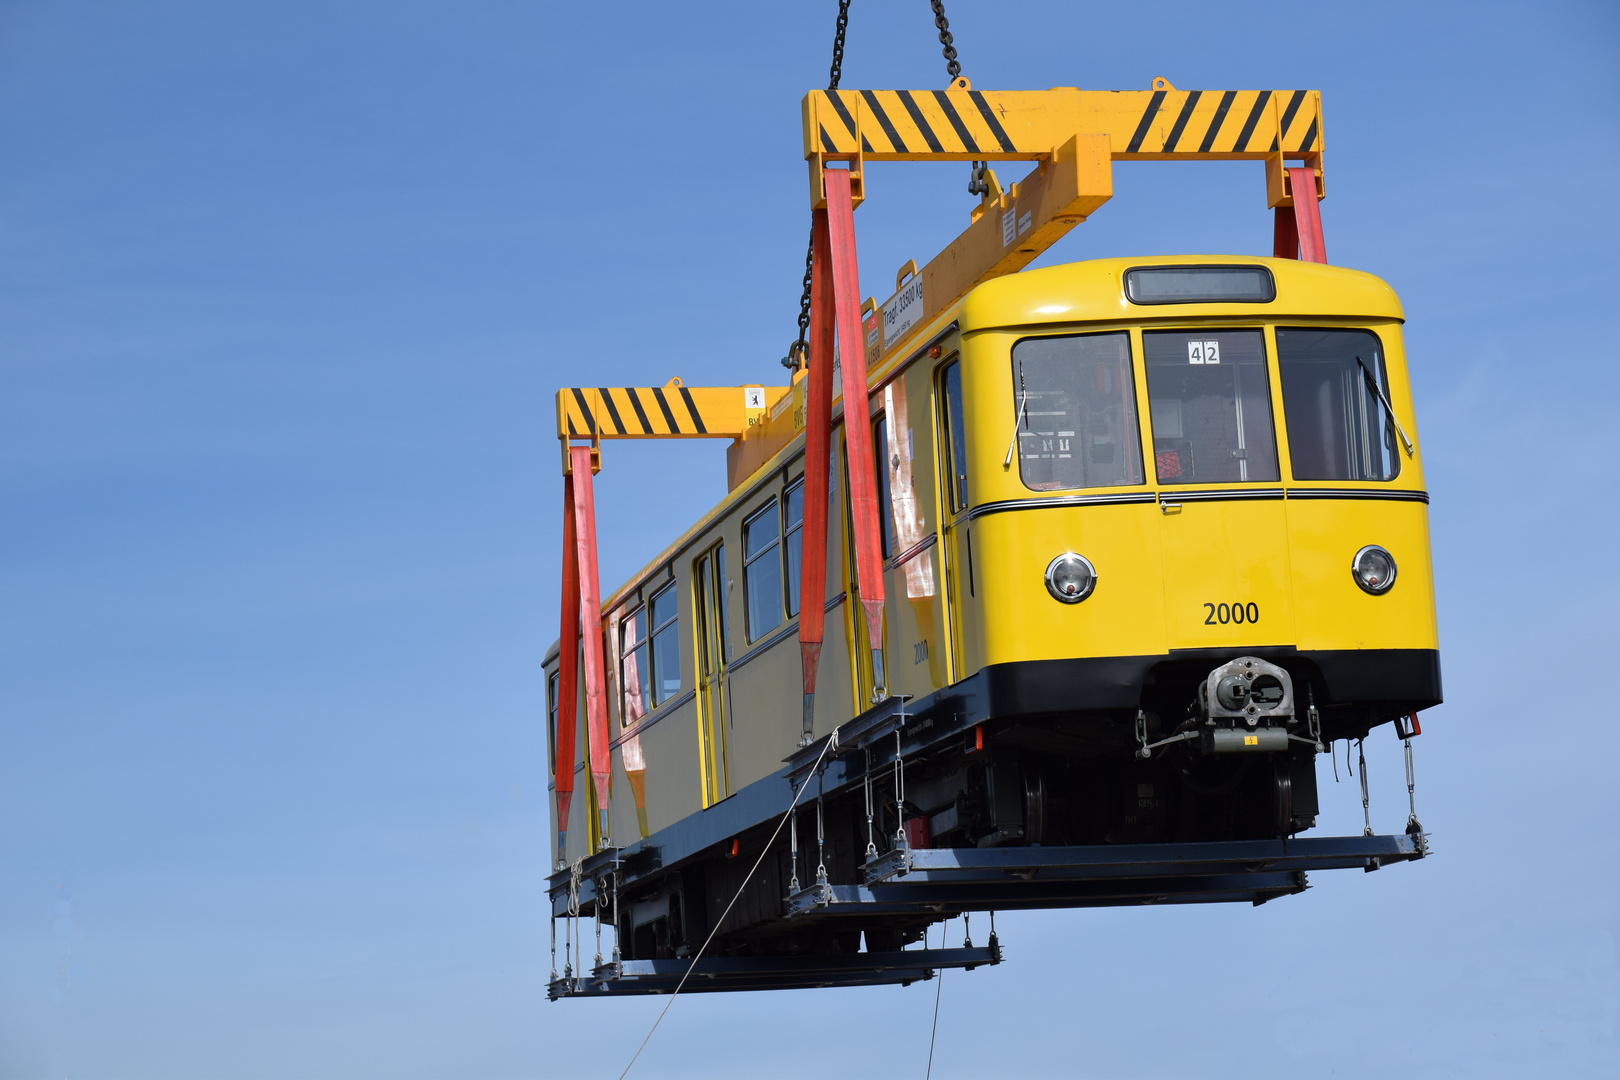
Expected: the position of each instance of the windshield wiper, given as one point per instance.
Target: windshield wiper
(1372, 382)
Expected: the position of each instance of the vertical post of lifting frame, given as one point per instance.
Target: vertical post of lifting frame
(583, 510)
(562, 766)
(817, 437)
(857, 430)
(1307, 215)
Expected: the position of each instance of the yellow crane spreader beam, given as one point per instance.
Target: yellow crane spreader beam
(671, 411)
(1161, 124)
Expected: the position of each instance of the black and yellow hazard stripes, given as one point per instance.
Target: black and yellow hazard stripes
(965, 124)
(669, 411)
(1199, 123)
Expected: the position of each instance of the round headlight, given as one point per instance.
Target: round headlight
(1070, 578)
(1374, 569)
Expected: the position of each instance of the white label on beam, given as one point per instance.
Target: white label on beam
(904, 310)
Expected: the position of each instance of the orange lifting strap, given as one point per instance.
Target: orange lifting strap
(581, 607)
(835, 306)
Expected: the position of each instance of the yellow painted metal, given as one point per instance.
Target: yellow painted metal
(1073, 134)
(668, 411)
(1009, 229)
(671, 411)
(963, 124)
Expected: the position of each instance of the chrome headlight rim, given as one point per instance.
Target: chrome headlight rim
(1052, 586)
(1355, 570)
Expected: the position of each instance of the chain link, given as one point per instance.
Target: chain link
(836, 72)
(799, 352)
(949, 51)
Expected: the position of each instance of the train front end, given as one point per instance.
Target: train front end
(1189, 544)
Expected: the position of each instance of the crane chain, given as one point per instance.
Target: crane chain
(949, 51)
(799, 352)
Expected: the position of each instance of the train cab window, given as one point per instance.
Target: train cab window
(956, 436)
(793, 544)
(1334, 387)
(762, 571)
(1075, 410)
(1210, 406)
(880, 455)
(666, 645)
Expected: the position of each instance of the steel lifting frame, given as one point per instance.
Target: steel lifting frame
(1073, 136)
(620, 412)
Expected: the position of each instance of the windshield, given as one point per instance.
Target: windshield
(1075, 407)
(1210, 406)
(1338, 428)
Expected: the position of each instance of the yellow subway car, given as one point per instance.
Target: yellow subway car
(1154, 533)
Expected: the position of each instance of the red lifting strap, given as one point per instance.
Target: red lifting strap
(817, 437)
(562, 764)
(857, 431)
(581, 607)
(1299, 230)
(1307, 216)
(1285, 234)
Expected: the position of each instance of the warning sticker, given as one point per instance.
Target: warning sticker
(1025, 222)
(904, 310)
(1009, 227)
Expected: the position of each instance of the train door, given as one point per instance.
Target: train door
(957, 547)
(907, 499)
(708, 585)
(1222, 521)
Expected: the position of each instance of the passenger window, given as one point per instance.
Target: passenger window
(881, 454)
(1334, 387)
(793, 546)
(551, 721)
(666, 645)
(1210, 406)
(634, 673)
(956, 433)
(1075, 410)
(762, 572)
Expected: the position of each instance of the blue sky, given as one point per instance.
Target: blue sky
(285, 290)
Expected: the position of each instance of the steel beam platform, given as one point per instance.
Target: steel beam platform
(722, 973)
(954, 866)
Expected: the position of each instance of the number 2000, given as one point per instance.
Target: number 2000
(1221, 614)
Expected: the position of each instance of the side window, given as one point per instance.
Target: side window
(1210, 404)
(666, 645)
(882, 452)
(634, 672)
(793, 545)
(956, 435)
(551, 721)
(762, 571)
(1334, 387)
(1075, 411)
